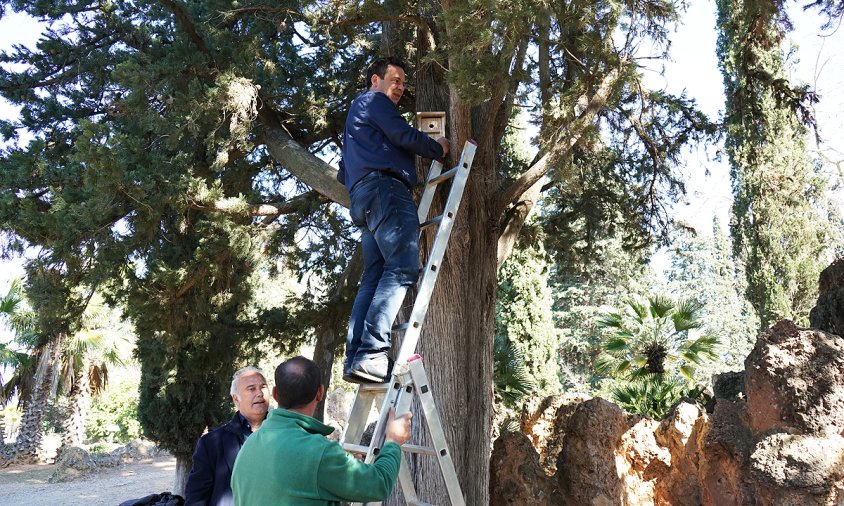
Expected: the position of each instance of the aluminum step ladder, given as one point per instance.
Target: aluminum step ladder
(409, 378)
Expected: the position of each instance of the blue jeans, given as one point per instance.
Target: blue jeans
(383, 210)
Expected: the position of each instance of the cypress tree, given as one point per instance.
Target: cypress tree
(779, 226)
(523, 313)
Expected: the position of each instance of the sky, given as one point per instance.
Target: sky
(694, 69)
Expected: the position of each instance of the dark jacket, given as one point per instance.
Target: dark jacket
(378, 138)
(209, 481)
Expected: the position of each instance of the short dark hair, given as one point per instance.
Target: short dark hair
(379, 67)
(297, 381)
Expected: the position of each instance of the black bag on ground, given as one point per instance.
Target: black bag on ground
(162, 499)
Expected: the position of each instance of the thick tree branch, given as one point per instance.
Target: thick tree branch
(560, 144)
(514, 219)
(504, 93)
(236, 206)
(299, 161)
(198, 275)
(188, 26)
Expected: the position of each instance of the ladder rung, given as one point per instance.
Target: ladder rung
(432, 221)
(374, 387)
(442, 177)
(417, 449)
(421, 450)
(353, 448)
(402, 326)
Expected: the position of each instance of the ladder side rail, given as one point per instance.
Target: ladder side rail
(380, 426)
(429, 278)
(428, 192)
(399, 397)
(432, 417)
(402, 405)
(406, 482)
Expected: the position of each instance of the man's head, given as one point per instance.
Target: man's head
(250, 393)
(297, 383)
(387, 76)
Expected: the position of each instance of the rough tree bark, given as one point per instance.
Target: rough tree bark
(180, 478)
(80, 403)
(28, 443)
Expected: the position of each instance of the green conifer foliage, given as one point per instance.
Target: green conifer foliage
(702, 268)
(780, 230)
(141, 179)
(523, 314)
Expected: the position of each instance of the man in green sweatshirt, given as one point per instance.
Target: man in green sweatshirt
(290, 462)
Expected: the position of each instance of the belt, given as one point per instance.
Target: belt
(384, 173)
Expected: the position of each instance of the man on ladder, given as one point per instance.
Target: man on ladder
(378, 169)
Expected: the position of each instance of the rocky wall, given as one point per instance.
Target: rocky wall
(778, 439)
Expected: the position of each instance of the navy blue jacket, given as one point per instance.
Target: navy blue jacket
(378, 138)
(209, 481)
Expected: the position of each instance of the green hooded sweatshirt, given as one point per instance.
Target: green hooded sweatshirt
(290, 462)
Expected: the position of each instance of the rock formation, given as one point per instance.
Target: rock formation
(828, 313)
(775, 436)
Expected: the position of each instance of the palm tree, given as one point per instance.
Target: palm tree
(18, 319)
(654, 346)
(84, 370)
(510, 377)
(9, 359)
(61, 363)
(511, 381)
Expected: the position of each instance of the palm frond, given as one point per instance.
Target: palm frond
(511, 381)
(651, 397)
(97, 377)
(689, 309)
(639, 374)
(660, 306)
(616, 343)
(10, 302)
(607, 364)
(611, 320)
(511, 424)
(687, 371)
(639, 309)
(700, 350)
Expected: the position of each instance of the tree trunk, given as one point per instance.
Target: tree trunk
(457, 344)
(183, 465)
(3, 454)
(73, 433)
(28, 443)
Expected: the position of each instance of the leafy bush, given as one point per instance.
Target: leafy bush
(653, 396)
(114, 415)
(511, 380)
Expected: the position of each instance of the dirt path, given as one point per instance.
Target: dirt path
(28, 485)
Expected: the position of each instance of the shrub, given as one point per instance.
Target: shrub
(114, 415)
